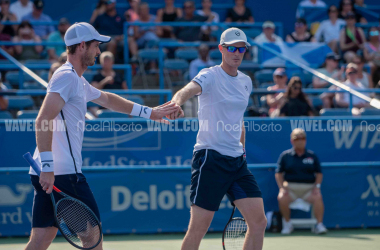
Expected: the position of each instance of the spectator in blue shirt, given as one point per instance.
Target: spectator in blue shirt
(57, 36)
(36, 15)
(110, 24)
(299, 176)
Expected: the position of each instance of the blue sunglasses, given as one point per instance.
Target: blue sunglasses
(232, 49)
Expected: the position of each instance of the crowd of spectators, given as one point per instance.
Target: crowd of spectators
(350, 44)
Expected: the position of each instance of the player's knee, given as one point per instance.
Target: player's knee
(259, 224)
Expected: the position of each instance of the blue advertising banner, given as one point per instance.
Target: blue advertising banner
(156, 199)
(138, 142)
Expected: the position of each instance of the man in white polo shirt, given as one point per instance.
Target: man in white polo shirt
(219, 166)
(58, 153)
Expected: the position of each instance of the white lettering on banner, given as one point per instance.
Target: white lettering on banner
(122, 199)
(347, 138)
(122, 161)
(12, 217)
(375, 188)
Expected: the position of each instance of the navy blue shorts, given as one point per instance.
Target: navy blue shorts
(213, 175)
(43, 213)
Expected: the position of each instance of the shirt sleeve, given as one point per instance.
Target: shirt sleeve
(63, 83)
(91, 92)
(317, 165)
(281, 164)
(204, 79)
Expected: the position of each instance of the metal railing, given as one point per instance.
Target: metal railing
(258, 25)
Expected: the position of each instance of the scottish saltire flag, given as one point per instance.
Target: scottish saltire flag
(310, 54)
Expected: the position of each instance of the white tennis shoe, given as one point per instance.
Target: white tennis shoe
(287, 227)
(320, 229)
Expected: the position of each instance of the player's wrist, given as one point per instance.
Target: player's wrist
(47, 163)
(141, 111)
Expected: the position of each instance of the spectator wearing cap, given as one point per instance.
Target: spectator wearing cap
(239, 13)
(330, 69)
(110, 24)
(274, 101)
(308, 3)
(299, 176)
(300, 33)
(26, 34)
(329, 29)
(190, 34)
(268, 36)
(203, 61)
(347, 6)
(351, 39)
(58, 36)
(343, 99)
(36, 15)
(295, 101)
(5, 16)
(20, 8)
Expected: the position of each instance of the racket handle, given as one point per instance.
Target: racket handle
(28, 157)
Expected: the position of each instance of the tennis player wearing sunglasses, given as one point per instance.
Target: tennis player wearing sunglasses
(219, 166)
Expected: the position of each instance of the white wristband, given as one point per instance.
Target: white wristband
(142, 111)
(47, 162)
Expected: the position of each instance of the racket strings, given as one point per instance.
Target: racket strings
(78, 223)
(235, 234)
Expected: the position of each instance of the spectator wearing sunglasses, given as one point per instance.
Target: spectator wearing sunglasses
(372, 48)
(347, 6)
(296, 102)
(343, 99)
(329, 29)
(299, 176)
(300, 33)
(352, 38)
(275, 101)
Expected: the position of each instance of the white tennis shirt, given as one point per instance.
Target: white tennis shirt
(222, 104)
(76, 92)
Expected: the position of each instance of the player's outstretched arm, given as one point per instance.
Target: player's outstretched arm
(184, 94)
(119, 104)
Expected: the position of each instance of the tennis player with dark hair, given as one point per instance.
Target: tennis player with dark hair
(58, 153)
(219, 166)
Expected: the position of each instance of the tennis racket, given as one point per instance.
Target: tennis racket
(76, 221)
(234, 233)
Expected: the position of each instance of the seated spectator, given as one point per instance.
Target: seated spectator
(299, 176)
(329, 29)
(53, 68)
(346, 7)
(20, 8)
(107, 78)
(360, 3)
(308, 3)
(58, 36)
(131, 14)
(5, 16)
(330, 69)
(239, 13)
(99, 10)
(25, 34)
(372, 47)
(144, 34)
(295, 101)
(343, 99)
(42, 31)
(190, 34)
(276, 100)
(203, 61)
(167, 14)
(351, 39)
(206, 11)
(300, 34)
(363, 77)
(268, 35)
(110, 24)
